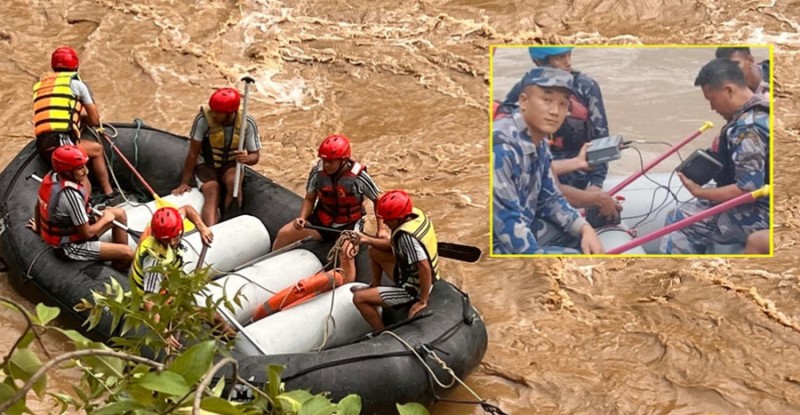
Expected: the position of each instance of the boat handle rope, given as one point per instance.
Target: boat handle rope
(489, 408)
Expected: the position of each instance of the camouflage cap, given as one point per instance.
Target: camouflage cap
(547, 77)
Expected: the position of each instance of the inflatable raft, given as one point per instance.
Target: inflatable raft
(319, 355)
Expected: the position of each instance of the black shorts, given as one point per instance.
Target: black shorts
(329, 236)
(205, 173)
(47, 143)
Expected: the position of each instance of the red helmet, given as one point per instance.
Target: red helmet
(394, 204)
(68, 158)
(64, 58)
(167, 223)
(224, 100)
(335, 146)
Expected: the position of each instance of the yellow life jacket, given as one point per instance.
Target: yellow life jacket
(420, 228)
(55, 107)
(163, 253)
(216, 149)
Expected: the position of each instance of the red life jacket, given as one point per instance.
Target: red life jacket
(337, 200)
(57, 233)
(576, 129)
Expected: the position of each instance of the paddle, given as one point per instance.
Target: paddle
(135, 234)
(730, 204)
(242, 135)
(289, 247)
(187, 224)
(466, 253)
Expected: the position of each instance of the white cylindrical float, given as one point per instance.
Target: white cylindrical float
(261, 280)
(614, 236)
(140, 215)
(236, 241)
(302, 328)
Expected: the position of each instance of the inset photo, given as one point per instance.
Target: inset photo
(636, 150)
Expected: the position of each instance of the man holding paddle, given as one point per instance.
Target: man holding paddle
(335, 194)
(744, 153)
(410, 257)
(62, 220)
(213, 153)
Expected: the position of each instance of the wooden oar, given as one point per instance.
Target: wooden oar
(187, 224)
(466, 253)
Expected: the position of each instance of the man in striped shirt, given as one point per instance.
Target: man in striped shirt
(61, 217)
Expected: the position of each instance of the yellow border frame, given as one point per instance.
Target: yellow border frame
(696, 256)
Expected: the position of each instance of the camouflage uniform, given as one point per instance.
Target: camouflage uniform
(575, 132)
(746, 164)
(529, 210)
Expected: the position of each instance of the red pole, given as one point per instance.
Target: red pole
(660, 158)
(739, 200)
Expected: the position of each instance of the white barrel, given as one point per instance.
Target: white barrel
(139, 216)
(614, 236)
(236, 241)
(261, 280)
(302, 328)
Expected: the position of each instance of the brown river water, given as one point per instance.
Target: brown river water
(408, 81)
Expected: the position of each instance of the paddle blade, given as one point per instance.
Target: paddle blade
(188, 226)
(460, 252)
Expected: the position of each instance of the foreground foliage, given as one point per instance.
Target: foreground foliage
(119, 380)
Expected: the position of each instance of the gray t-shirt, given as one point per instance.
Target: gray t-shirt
(82, 91)
(70, 207)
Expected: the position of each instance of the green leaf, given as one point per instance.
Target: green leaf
(349, 405)
(220, 406)
(295, 399)
(166, 382)
(79, 339)
(6, 393)
(46, 314)
(193, 363)
(219, 388)
(119, 407)
(26, 339)
(23, 364)
(274, 379)
(318, 405)
(412, 408)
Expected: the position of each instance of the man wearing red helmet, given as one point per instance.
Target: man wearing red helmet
(162, 246)
(213, 152)
(335, 193)
(59, 98)
(410, 258)
(62, 219)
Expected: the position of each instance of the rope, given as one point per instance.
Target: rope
(333, 258)
(489, 408)
(36, 258)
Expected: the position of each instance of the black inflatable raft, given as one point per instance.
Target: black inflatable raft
(381, 369)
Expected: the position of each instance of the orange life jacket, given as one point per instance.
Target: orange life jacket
(55, 107)
(299, 293)
(57, 233)
(337, 200)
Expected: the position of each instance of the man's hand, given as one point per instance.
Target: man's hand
(590, 244)
(183, 188)
(581, 159)
(32, 226)
(241, 156)
(206, 235)
(299, 223)
(693, 188)
(608, 207)
(416, 308)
